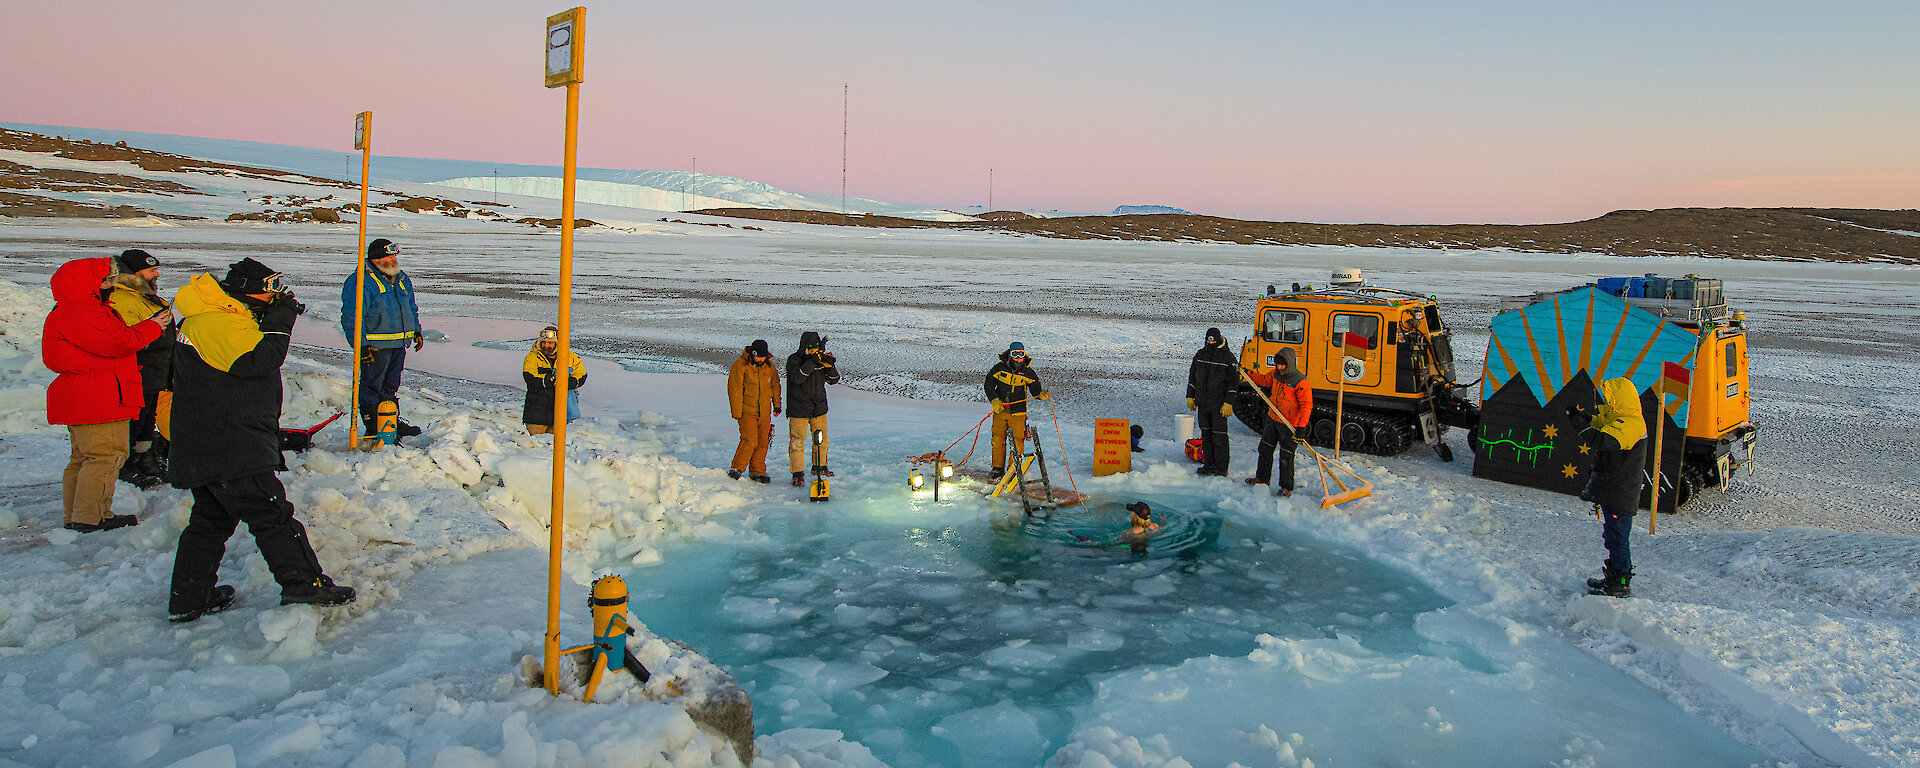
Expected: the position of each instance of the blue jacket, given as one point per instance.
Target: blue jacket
(392, 318)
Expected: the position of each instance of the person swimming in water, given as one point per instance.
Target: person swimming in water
(1143, 525)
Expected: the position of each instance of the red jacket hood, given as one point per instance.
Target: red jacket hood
(79, 279)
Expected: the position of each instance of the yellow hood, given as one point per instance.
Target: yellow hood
(1619, 414)
(215, 324)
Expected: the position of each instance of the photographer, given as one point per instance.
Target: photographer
(1617, 432)
(809, 371)
(233, 338)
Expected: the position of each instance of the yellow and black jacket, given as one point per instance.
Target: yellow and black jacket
(1012, 384)
(1618, 435)
(537, 370)
(131, 301)
(226, 387)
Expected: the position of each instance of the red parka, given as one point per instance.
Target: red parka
(91, 349)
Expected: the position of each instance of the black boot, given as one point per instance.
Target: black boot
(220, 599)
(321, 592)
(822, 471)
(996, 474)
(799, 479)
(403, 429)
(1612, 585)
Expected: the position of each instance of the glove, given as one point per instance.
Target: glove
(1226, 410)
(1191, 406)
(998, 407)
(1577, 413)
(366, 355)
(419, 341)
(827, 358)
(1045, 396)
(278, 316)
(776, 410)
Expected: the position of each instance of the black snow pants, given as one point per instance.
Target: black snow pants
(1276, 466)
(260, 501)
(1213, 441)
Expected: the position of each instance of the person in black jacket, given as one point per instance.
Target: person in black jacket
(1211, 381)
(135, 298)
(1010, 384)
(1617, 434)
(226, 440)
(809, 371)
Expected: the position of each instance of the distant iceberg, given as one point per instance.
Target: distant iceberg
(1138, 209)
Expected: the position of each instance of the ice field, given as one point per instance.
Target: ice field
(1435, 623)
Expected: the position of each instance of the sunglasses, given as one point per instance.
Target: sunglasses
(390, 252)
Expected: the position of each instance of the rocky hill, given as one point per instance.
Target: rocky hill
(1792, 234)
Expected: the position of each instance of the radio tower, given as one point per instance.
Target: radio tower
(843, 147)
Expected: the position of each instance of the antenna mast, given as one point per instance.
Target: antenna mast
(843, 147)
(989, 189)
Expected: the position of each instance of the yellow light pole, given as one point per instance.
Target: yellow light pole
(363, 141)
(566, 57)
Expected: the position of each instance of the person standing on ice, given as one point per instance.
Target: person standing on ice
(1617, 435)
(96, 393)
(1010, 384)
(1292, 408)
(390, 323)
(753, 393)
(1211, 380)
(541, 372)
(136, 299)
(234, 335)
(809, 371)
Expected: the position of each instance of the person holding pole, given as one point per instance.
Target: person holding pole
(1291, 408)
(1010, 384)
(1616, 433)
(1210, 384)
(753, 393)
(390, 322)
(809, 371)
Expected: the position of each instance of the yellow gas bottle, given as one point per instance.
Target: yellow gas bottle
(610, 632)
(386, 422)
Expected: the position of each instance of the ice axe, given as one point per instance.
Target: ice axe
(1330, 470)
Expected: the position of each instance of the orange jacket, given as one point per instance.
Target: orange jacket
(750, 386)
(1292, 403)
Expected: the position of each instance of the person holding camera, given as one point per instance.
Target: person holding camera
(96, 393)
(809, 371)
(1616, 432)
(233, 337)
(1010, 384)
(390, 322)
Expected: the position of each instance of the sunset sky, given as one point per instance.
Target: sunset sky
(1398, 112)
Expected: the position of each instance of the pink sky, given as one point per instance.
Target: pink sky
(1392, 112)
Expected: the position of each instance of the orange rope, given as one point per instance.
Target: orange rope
(1058, 440)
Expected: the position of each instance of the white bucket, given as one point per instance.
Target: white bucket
(1183, 427)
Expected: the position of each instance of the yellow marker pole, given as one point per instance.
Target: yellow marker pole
(565, 55)
(363, 141)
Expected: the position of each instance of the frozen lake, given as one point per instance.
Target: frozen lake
(1245, 636)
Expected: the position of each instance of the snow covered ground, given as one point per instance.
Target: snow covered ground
(1437, 622)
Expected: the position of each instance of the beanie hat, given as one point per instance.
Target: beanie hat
(249, 276)
(811, 339)
(133, 260)
(1213, 335)
(382, 248)
(759, 348)
(1016, 346)
(1140, 509)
